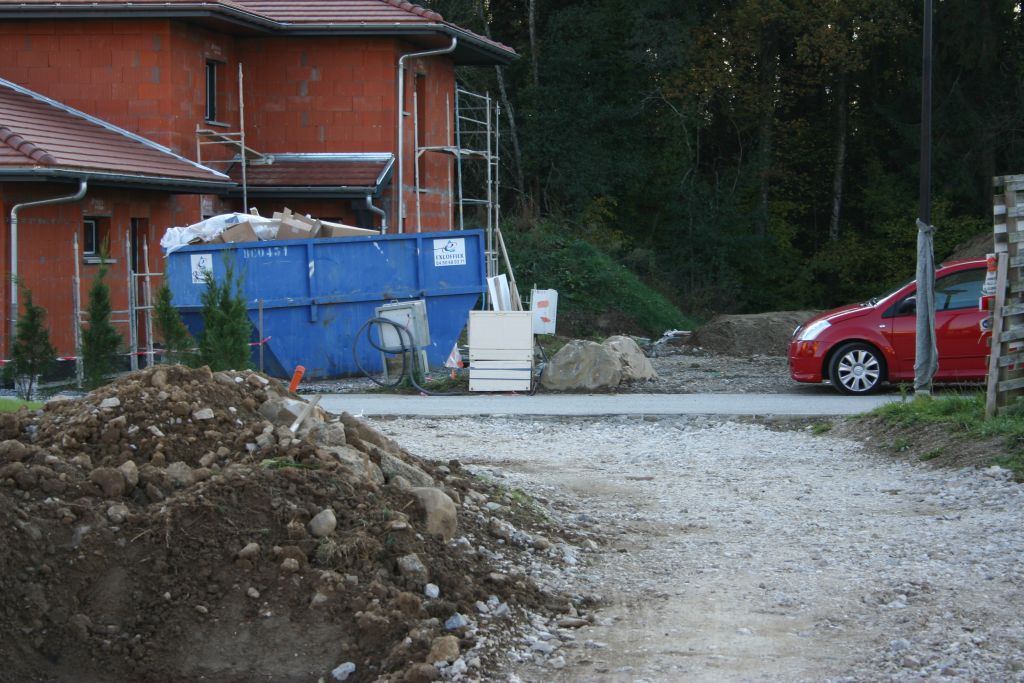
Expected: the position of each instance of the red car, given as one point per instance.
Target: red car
(860, 346)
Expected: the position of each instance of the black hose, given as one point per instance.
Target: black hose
(408, 352)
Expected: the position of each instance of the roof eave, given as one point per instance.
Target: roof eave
(472, 49)
(109, 179)
(306, 191)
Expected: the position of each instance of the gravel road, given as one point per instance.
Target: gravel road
(732, 552)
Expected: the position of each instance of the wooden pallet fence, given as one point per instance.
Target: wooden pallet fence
(1006, 360)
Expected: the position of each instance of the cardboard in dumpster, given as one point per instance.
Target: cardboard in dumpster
(294, 226)
(240, 232)
(328, 229)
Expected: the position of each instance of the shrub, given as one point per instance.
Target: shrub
(100, 341)
(224, 342)
(32, 355)
(177, 340)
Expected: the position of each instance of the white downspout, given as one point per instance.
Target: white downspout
(83, 184)
(380, 212)
(400, 223)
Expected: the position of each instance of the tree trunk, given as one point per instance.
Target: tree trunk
(838, 176)
(532, 21)
(766, 87)
(513, 134)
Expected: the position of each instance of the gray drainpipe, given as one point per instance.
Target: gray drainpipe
(83, 184)
(401, 123)
(380, 212)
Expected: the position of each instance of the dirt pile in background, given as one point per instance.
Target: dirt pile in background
(743, 335)
(170, 527)
(978, 246)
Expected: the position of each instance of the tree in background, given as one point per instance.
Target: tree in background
(177, 340)
(753, 154)
(224, 342)
(100, 341)
(32, 355)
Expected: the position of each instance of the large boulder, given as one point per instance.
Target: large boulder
(635, 366)
(582, 366)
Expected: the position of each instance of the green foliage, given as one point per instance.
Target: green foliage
(596, 295)
(172, 330)
(100, 341)
(963, 414)
(819, 428)
(224, 342)
(32, 355)
(13, 405)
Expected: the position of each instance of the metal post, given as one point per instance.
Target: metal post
(76, 306)
(925, 358)
(448, 141)
(241, 125)
(261, 333)
(492, 256)
(147, 291)
(458, 157)
(133, 330)
(416, 155)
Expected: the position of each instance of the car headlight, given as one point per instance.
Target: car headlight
(811, 332)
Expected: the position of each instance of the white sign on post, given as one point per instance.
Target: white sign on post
(544, 304)
(201, 264)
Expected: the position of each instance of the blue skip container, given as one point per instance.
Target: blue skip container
(318, 293)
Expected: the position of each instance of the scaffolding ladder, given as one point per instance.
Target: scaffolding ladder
(476, 141)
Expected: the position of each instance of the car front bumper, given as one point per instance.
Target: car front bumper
(807, 360)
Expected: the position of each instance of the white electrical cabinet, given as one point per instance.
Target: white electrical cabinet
(500, 350)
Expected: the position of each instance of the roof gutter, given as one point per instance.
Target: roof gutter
(400, 213)
(157, 183)
(83, 184)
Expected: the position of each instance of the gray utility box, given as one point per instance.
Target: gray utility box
(412, 315)
(500, 350)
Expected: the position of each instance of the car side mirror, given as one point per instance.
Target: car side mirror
(908, 306)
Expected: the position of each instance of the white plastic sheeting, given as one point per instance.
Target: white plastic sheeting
(265, 229)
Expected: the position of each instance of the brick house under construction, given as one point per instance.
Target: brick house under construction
(121, 119)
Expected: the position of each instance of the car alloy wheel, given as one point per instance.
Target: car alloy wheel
(857, 369)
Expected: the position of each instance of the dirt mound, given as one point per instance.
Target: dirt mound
(170, 527)
(744, 335)
(977, 247)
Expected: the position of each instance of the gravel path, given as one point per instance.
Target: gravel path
(731, 552)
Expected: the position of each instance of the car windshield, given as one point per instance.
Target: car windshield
(874, 300)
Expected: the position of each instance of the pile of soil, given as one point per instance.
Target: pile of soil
(743, 335)
(170, 527)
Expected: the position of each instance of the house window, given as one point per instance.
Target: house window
(94, 235)
(212, 81)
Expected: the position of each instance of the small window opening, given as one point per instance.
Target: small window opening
(95, 235)
(212, 111)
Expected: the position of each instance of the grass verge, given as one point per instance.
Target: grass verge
(963, 415)
(12, 405)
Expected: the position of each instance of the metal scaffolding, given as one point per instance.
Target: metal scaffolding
(476, 139)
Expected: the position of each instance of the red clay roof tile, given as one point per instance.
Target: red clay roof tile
(36, 131)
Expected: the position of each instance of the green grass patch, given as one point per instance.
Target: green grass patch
(931, 455)
(963, 414)
(819, 428)
(12, 405)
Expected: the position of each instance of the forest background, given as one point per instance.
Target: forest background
(744, 155)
